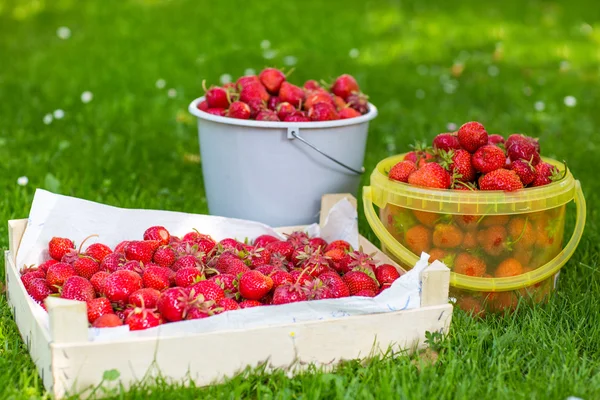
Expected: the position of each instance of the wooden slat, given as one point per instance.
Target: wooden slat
(16, 228)
(435, 281)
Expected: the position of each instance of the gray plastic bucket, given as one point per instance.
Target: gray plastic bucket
(277, 172)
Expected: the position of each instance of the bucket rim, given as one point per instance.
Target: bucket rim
(193, 109)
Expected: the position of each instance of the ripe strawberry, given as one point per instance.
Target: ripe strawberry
(254, 285)
(386, 273)
(291, 94)
(523, 150)
(430, 175)
(508, 267)
(284, 109)
(98, 251)
(28, 277)
(317, 96)
(272, 79)
(289, 293)
(97, 308)
(472, 136)
(119, 285)
(239, 110)
(336, 257)
(344, 86)
(488, 158)
(447, 236)
(227, 304)
(197, 313)
(135, 266)
(164, 256)
(267, 115)
(113, 262)
(420, 158)
(545, 174)
(298, 239)
(273, 103)
(313, 262)
(467, 264)
(235, 266)
(526, 172)
(77, 288)
(257, 257)
(402, 170)
(142, 318)
(209, 290)
(141, 250)
(107, 321)
(311, 84)
(58, 247)
(221, 112)
(174, 304)
(281, 277)
(263, 240)
(120, 248)
(86, 267)
(97, 281)
(253, 91)
(279, 247)
(317, 290)
(145, 297)
(462, 166)
(500, 179)
(58, 273)
(359, 102)
(357, 259)
(250, 303)
(358, 280)
(323, 112)
(217, 97)
(347, 112)
(228, 283)
(339, 244)
(159, 233)
(317, 243)
(518, 138)
(246, 80)
(336, 284)
(446, 142)
(366, 293)
(46, 264)
(297, 116)
(187, 276)
(202, 106)
(156, 277)
(39, 289)
(340, 104)
(256, 106)
(266, 269)
(495, 139)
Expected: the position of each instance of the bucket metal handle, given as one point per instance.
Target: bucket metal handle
(294, 133)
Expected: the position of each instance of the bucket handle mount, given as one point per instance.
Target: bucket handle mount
(294, 133)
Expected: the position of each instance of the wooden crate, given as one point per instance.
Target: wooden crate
(69, 363)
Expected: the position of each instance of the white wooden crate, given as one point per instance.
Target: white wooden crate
(69, 363)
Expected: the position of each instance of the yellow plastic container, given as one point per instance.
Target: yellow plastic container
(500, 245)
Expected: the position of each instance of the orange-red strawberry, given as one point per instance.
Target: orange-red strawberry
(386, 274)
(142, 318)
(492, 220)
(509, 267)
(145, 297)
(344, 86)
(426, 218)
(500, 179)
(521, 232)
(402, 170)
(77, 288)
(418, 239)
(58, 247)
(39, 289)
(437, 254)
(156, 277)
(469, 240)
(526, 172)
(291, 94)
(467, 264)
(97, 281)
(348, 112)
(317, 96)
(97, 308)
(209, 290)
(107, 321)
(98, 251)
(335, 257)
(431, 175)
(358, 280)
(336, 284)
(488, 158)
(472, 136)
(86, 267)
(471, 305)
(271, 78)
(159, 233)
(340, 105)
(119, 285)
(446, 142)
(467, 222)
(141, 250)
(493, 240)
(447, 236)
(254, 286)
(58, 273)
(339, 244)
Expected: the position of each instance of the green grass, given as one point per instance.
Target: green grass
(127, 147)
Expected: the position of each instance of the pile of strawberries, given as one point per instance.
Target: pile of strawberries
(164, 278)
(270, 97)
(470, 159)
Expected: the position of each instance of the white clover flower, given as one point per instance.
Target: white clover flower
(570, 101)
(225, 78)
(161, 83)
(22, 181)
(48, 119)
(172, 93)
(269, 54)
(451, 126)
(450, 86)
(539, 106)
(290, 60)
(354, 53)
(249, 72)
(63, 32)
(527, 91)
(586, 29)
(420, 94)
(59, 114)
(493, 70)
(265, 44)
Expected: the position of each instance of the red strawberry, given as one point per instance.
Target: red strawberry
(77, 288)
(58, 247)
(279, 247)
(357, 259)
(336, 256)
(420, 158)
(430, 175)
(98, 251)
(495, 139)
(246, 80)
(164, 256)
(291, 94)
(256, 106)
(232, 244)
(235, 266)
(272, 79)
(545, 174)
(46, 264)
(317, 243)
(145, 297)
(135, 266)
(518, 138)
(239, 110)
(340, 105)
(488, 158)
(97, 308)
(359, 102)
(156, 277)
(297, 116)
(298, 239)
(227, 304)
(39, 289)
(311, 84)
(317, 290)
(284, 109)
(273, 103)
(209, 290)
(323, 112)
(266, 269)
(523, 151)
(300, 277)
(402, 170)
(446, 142)
(28, 277)
(197, 313)
(257, 257)
(267, 115)
(228, 283)
(347, 112)
(366, 293)
(142, 318)
(472, 136)
(119, 285)
(97, 281)
(254, 285)
(187, 276)
(336, 284)
(263, 240)
(250, 303)
(462, 166)
(141, 250)
(289, 293)
(253, 91)
(221, 112)
(86, 267)
(202, 106)
(107, 321)
(217, 97)
(175, 303)
(526, 172)
(358, 280)
(317, 96)
(500, 179)
(344, 86)
(314, 263)
(281, 277)
(188, 261)
(339, 244)
(159, 233)
(386, 273)
(58, 273)
(120, 248)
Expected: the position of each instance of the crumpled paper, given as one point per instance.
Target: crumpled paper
(57, 215)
